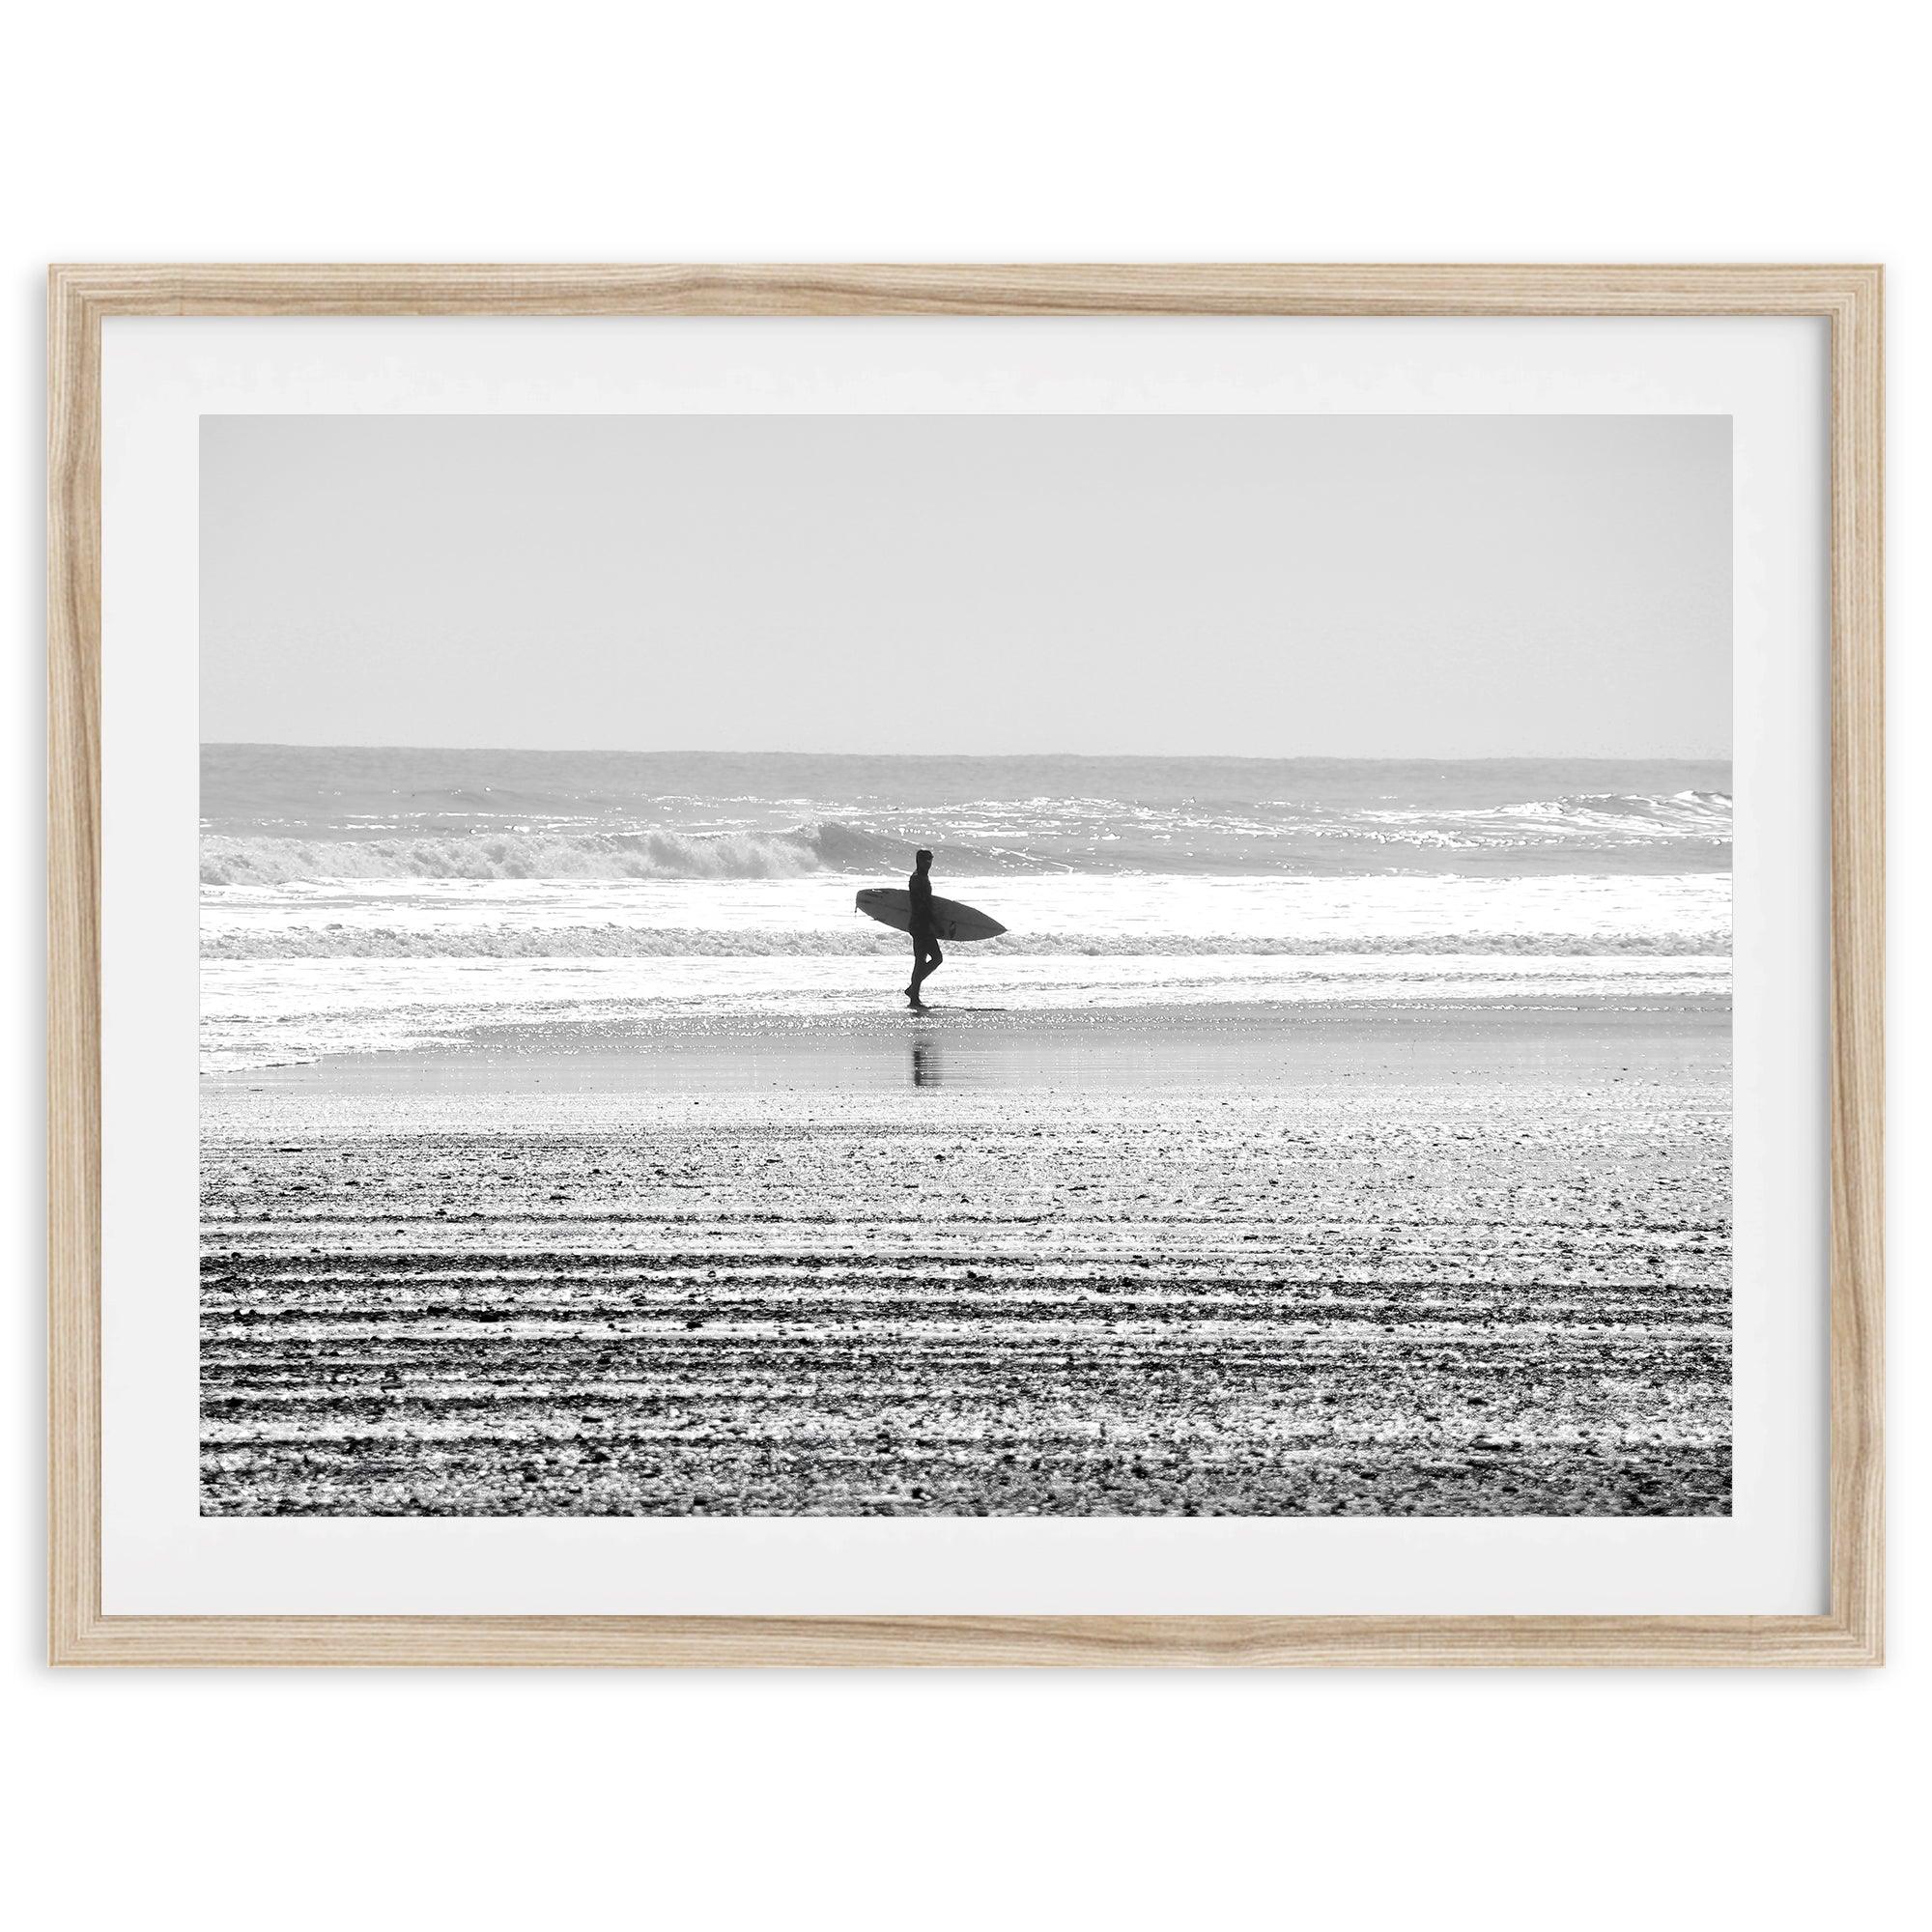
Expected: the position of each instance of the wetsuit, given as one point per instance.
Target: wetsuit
(926, 958)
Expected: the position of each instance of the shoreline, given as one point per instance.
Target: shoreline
(1260, 1043)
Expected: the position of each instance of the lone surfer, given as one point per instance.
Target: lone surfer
(926, 958)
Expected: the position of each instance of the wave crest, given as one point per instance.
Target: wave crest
(1042, 834)
(1586, 821)
(513, 855)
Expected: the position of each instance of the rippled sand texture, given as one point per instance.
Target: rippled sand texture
(1442, 1289)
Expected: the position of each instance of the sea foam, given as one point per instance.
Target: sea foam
(615, 942)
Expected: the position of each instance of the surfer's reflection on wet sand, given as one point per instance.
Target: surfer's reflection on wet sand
(925, 1063)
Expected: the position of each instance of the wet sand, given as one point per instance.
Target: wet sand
(1455, 1260)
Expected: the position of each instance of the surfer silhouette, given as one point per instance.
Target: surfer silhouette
(926, 958)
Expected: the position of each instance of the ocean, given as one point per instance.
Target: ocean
(632, 890)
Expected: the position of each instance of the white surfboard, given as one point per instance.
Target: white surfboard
(892, 905)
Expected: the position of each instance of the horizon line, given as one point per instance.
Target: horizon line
(790, 752)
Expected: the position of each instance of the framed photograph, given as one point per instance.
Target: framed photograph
(1055, 965)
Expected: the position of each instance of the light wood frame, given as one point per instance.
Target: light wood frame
(81, 297)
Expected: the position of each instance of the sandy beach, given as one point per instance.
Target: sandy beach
(1439, 1259)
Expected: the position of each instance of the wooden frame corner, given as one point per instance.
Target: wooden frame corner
(82, 297)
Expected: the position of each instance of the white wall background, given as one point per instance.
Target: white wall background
(399, 130)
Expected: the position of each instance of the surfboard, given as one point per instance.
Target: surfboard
(892, 905)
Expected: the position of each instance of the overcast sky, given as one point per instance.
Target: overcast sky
(1382, 586)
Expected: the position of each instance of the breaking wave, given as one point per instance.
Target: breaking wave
(1589, 820)
(1033, 836)
(227, 861)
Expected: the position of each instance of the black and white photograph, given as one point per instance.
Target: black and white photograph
(965, 966)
